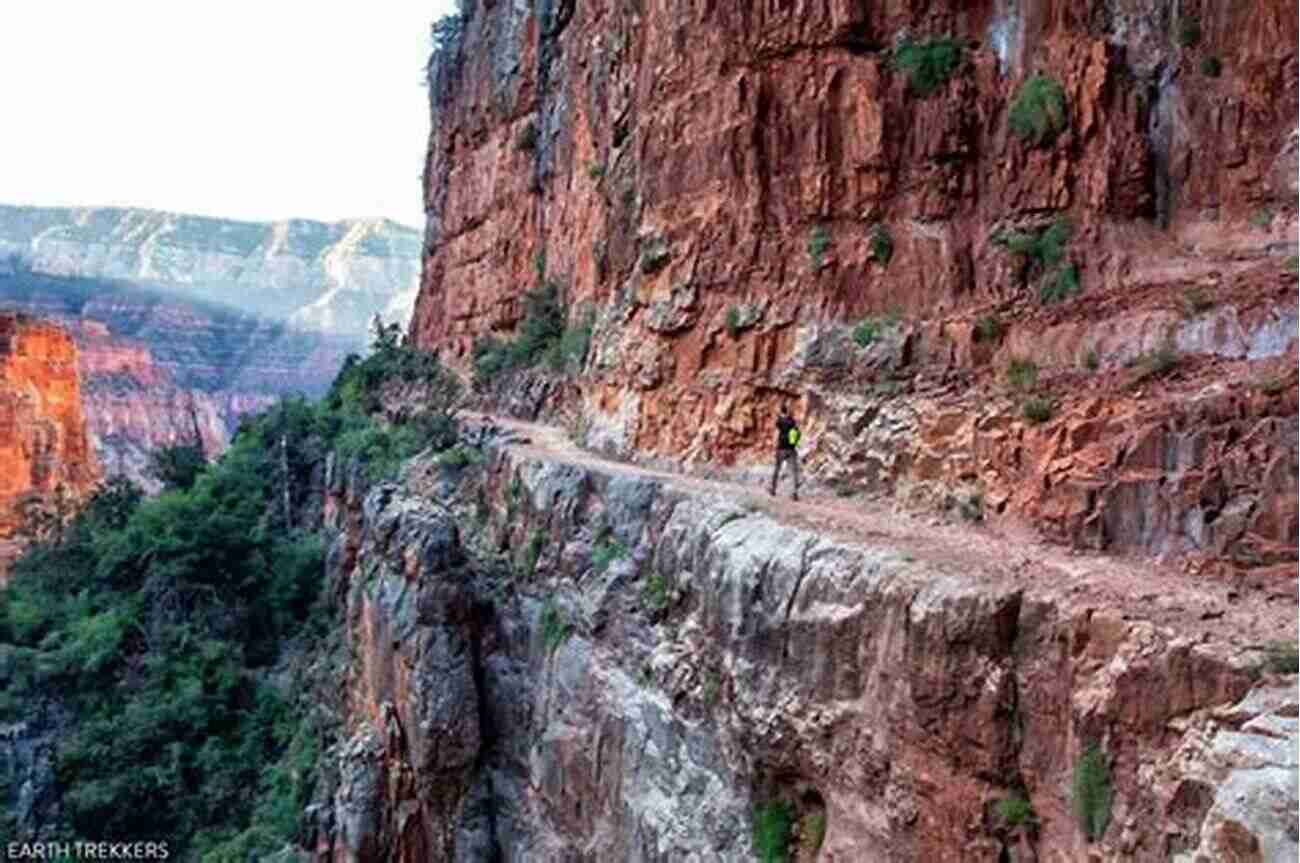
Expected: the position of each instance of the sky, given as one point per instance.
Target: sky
(243, 109)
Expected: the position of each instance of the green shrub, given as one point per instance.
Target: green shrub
(1014, 810)
(819, 240)
(1037, 410)
(1091, 361)
(1038, 113)
(733, 321)
(606, 551)
(459, 456)
(539, 264)
(1282, 657)
(1043, 248)
(533, 552)
(1211, 67)
(988, 329)
(542, 335)
(595, 170)
(928, 65)
(1155, 364)
(881, 245)
(1092, 793)
(772, 832)
(1061, 285)
(1022, 374)
(1189, 31)
(1262, 218)
(657, 592)
(866, 332)
(555, 629)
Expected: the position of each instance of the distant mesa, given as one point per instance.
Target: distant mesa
(185, 323)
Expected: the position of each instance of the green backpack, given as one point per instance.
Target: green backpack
(793, 436)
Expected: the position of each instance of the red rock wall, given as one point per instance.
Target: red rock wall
(43, 439)
(684, 155)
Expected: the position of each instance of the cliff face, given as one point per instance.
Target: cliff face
(719, 181)
(317, 276)
(553, 660)
(44, 447)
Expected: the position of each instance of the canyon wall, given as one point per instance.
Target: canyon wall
(45, 455)
(547, 661)
(715, 181)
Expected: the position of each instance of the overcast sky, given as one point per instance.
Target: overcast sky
(250, 109)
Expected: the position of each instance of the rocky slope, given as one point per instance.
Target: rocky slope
(318, 276)
(45, 453)
(551, 658)
(719, 181)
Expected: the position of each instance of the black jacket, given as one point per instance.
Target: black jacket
(783, 426)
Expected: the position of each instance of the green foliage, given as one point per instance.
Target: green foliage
(1091, 361)
(1262, 218)
(1155, 364)
(1037, 410)
(1014, 810)
(733, 321)
(539, 264)
(555, 629)
(866, 332)
(819, 240)
(1189, 31)
(533, 551)
(1061, 285)
(928, 65)
(1043, 248)
(1282, 657)
(1092, 793)
(542, 335)
(988, 329)
(657, 592)
(607, 550)
(459, 456)
(595, 170)
(882, 244)
(1211, 67)
(1038, 113)
(1022, 373)
(772, 832)
(177, 466)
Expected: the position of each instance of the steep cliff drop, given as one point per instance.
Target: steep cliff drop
(1036, 261)
(553, 657)
(46, 462)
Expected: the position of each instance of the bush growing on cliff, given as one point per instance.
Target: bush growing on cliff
(1038, 112)
(1092, 793)
(928, 65)
(881, 245)
(772, 831)
(543, 336)
(1211, 67)
(1043, 251)
(1022, 374)
(1014, 810)
(819, 240)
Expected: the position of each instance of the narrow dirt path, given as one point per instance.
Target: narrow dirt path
(1142, 589)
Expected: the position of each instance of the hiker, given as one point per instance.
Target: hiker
(787, 438)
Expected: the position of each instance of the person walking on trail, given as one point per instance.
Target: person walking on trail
(787, 441)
